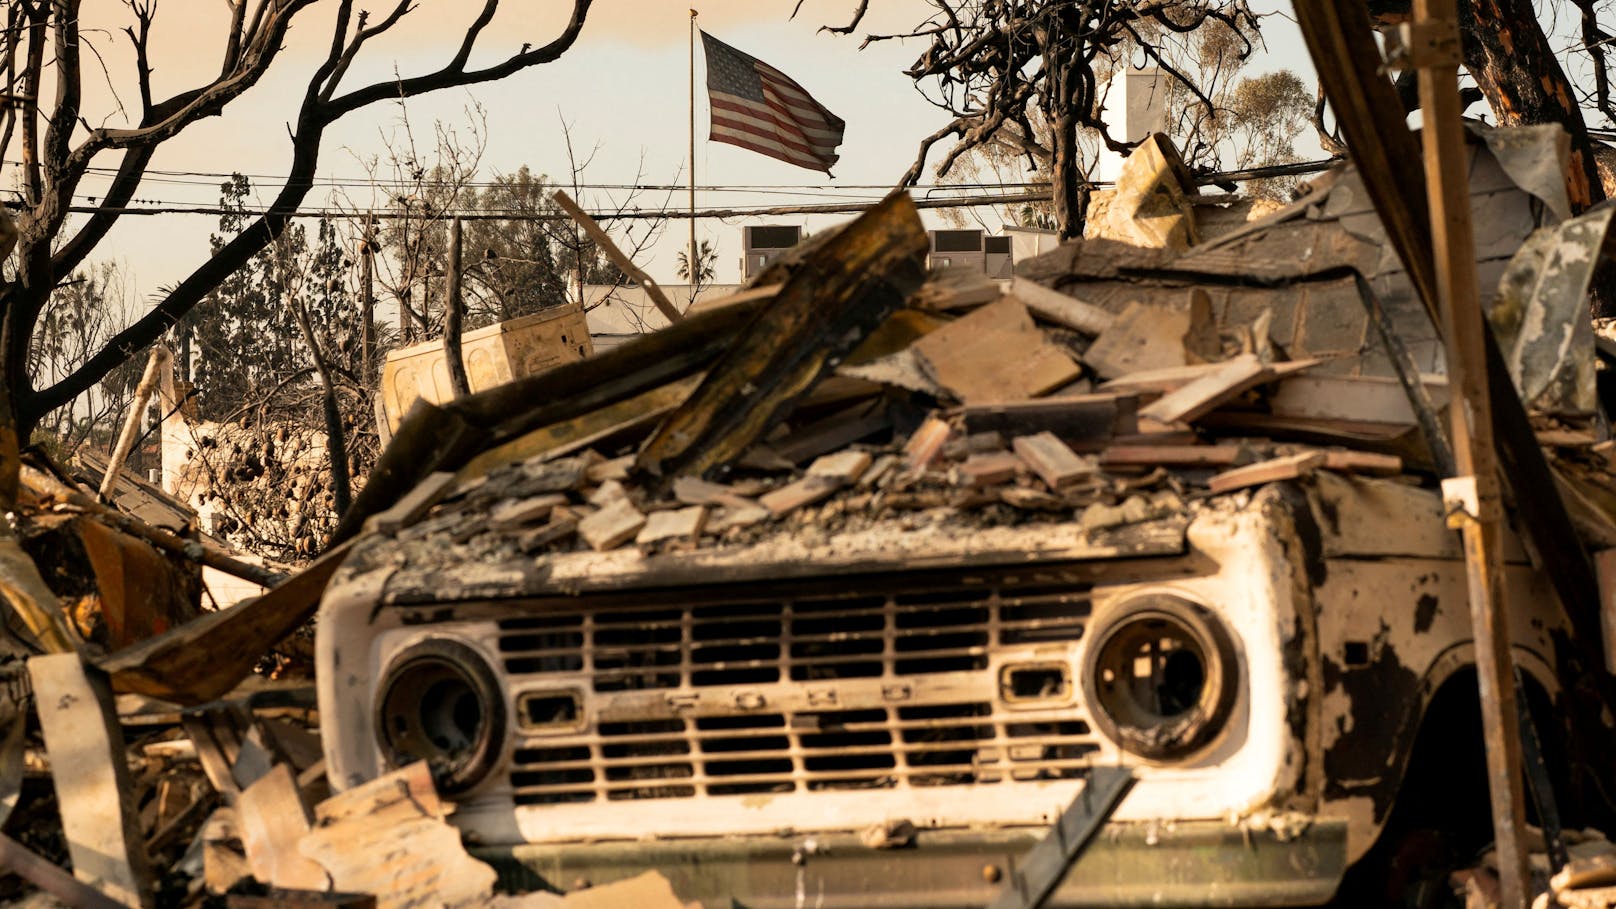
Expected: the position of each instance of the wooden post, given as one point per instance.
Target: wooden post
(616, 255)
(131, 423)
(1471, 497)
(454, 315)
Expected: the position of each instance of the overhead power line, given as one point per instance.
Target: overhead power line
(854, 203)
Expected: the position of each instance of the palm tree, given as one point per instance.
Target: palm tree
(706, 268)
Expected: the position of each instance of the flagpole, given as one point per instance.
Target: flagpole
(692, 263)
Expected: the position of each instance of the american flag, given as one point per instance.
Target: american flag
(758, 107)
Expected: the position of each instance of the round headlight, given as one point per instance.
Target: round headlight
(1161, 677)
(439, 702)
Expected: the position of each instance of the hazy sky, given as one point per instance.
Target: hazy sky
(623, 87)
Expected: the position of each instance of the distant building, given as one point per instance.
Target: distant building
(1134, 106)
(973, 249)
(761, 244)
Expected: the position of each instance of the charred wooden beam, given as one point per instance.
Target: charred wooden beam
(446, 438)
(838, 296)
(204, 659)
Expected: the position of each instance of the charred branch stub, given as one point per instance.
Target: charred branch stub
(1031, 75)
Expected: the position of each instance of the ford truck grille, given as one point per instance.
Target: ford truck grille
(853, 692)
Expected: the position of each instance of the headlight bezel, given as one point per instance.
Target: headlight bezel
(1117, 711)
(418, 712)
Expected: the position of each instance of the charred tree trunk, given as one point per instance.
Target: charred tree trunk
(454, 316)
(1515, 66)
(336, 440)
(1070, 189)
(1511, 60)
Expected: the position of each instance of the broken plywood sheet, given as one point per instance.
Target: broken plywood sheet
(387, 837)
(995, 354)
(1147, 336)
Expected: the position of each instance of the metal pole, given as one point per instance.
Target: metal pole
(692, 263)
(367, 326)
(1472, 496)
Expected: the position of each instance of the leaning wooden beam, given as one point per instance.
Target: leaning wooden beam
(131, 423)
(1473, 496)
(195, 550)
(604, 241)
(838, 296)
(205, 658)
(91, 772)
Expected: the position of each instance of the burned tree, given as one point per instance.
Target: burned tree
(43, 45)
(1520, 73)
(997, 66)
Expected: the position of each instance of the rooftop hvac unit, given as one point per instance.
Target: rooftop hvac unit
(956, 249)
(999, 260)
(764, 243)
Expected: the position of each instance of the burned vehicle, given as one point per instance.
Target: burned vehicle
(877, 662)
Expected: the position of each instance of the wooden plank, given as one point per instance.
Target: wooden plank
(1062, 309)
(927, 443)
(1095, 417)
(1048, 457)
(91, 771)
(794, 495)
(1230, 380)
(696, 491)
(1363, 462)
(837, 431)
(408, 509)
(995, 354)
(845, 467)
(609, 247)
(203, 659)
(1481, 521)
(585, 429)
(1173, 455)
(1289, 467)
(839, 294)
(1147, 336)
(992, 468)
(1171, 378)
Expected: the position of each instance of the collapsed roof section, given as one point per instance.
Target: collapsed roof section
(840, 407)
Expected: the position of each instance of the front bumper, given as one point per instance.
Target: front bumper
(1203, 863)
